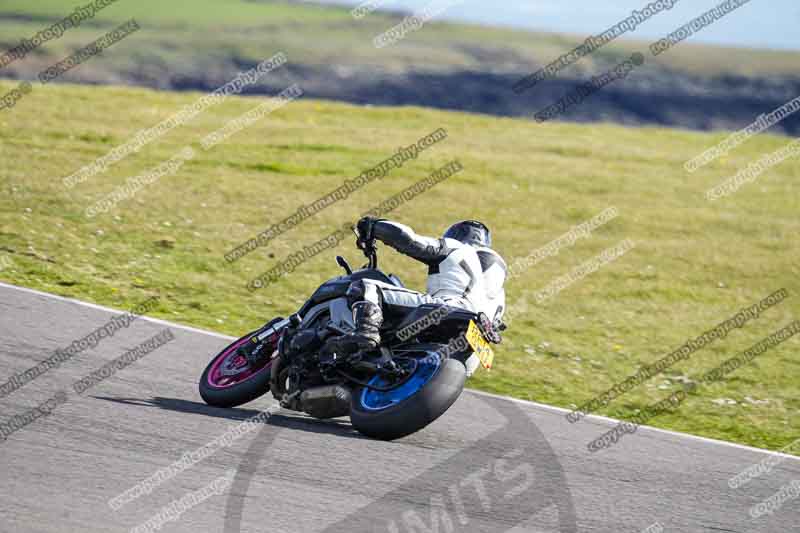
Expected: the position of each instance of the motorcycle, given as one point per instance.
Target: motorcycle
(393, 391)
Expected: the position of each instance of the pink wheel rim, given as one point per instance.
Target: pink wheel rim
(218, 380)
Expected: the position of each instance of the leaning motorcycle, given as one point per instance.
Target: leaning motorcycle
(390, 392)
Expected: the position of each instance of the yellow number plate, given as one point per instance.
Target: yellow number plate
(481, 346)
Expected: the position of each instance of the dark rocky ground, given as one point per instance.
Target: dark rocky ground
(646, 97)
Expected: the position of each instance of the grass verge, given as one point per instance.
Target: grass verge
(694, 265)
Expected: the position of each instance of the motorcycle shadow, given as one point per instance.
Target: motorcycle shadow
(299, 421)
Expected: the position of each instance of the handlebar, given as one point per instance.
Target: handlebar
(369, 249)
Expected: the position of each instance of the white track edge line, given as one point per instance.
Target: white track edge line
(562, 410)
(542, 406)
(116, 311)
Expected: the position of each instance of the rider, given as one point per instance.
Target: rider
(463, 272)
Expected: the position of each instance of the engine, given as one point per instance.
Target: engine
(297, 380)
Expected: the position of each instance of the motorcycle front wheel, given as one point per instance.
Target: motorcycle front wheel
(229, 380)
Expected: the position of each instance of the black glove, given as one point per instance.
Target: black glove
(364, 228)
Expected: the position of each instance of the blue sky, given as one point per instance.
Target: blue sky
(758, 24)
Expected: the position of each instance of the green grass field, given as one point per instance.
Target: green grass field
(695, 264)
(179, 40)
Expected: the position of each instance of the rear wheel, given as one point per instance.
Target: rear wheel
(229, 380)
(433, 387)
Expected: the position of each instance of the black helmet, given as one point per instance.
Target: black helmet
(470, 232)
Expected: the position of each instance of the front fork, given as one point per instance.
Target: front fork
(269, 336)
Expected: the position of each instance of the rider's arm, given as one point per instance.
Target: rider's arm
(404, 240)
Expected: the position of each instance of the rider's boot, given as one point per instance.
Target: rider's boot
(368, 318)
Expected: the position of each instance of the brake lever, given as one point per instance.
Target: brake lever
(365, 245)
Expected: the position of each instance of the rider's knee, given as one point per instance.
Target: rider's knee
(356, 292)
(472, 363)
(363, 290)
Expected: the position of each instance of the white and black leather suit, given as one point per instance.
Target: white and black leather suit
(460, 275)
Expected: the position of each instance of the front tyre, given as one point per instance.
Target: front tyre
(387, 415)
(229, 380)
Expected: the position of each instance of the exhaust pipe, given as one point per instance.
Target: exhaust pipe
(328, 401)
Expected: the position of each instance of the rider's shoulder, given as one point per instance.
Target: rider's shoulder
(490, 257)
(453, 244)
(456, 250)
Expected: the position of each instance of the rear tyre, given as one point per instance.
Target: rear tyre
(386, 416)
